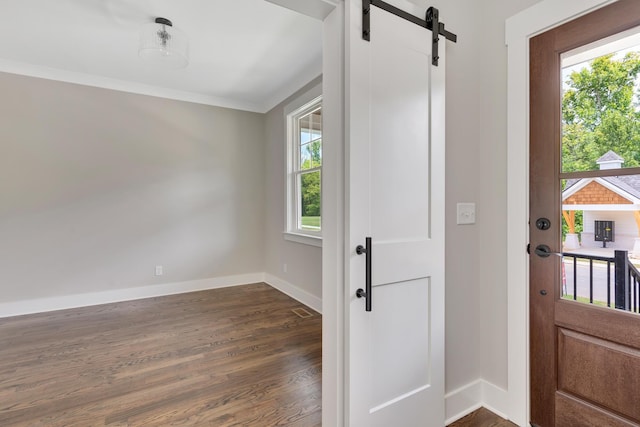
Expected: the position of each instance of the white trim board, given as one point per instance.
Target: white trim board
(37, 71)
(294, 292)
(23, 69)
(475, 395)
(519, 29)
(42, 305)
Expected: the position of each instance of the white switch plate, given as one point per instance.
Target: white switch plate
(466, 213)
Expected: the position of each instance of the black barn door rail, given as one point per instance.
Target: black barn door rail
(431, 22)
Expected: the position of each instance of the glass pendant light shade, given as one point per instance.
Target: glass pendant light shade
(164, 45)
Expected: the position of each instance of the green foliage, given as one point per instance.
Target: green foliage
(578, 224)
(314, 149)
(310, 182)
(310, 194)
(600, 113)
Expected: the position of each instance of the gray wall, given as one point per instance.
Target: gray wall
(304, 262)
(97, 187)
(476, 274)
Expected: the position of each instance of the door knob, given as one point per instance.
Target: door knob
(545, 251)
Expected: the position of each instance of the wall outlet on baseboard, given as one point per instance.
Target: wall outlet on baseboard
(284, 268)
(158, 270)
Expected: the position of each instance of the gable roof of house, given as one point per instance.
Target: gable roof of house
(610, 156)
(628, 183)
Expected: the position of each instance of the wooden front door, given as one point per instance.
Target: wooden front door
(584, 359)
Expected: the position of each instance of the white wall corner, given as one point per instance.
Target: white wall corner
(477, 394)
(294, 292)
(41, 305)
(495, 399)
(463, 401)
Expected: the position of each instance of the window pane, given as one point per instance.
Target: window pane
(310, 154)
(305, 157)
(600, 106)
(601, 229)
(310, 201)
(304, 124)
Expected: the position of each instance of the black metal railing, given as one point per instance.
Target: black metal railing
(634, 282)
(622, 288)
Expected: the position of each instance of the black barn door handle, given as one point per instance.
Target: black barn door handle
(366, 292)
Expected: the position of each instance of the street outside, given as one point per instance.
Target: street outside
(600, 283)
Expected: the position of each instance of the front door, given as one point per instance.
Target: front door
(395, 161)
(585, 356)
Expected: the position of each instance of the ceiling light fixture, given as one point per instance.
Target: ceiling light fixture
(164, 45)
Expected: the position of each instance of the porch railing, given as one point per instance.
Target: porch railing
(625, 280)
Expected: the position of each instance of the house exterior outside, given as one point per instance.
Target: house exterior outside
(615, 199)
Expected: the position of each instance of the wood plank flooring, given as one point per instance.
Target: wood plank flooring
(236, 356)
(482, 418)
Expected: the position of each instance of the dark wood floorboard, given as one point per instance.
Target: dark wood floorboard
(236, 356)
(482, 418)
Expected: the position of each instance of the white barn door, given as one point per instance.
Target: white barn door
(395, 185)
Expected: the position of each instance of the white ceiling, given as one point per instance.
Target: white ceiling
(244, 54)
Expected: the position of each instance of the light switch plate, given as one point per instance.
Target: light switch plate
(466, 213)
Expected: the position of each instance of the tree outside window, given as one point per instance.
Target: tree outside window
(600, 113)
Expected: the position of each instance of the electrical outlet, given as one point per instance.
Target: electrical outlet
(158, 270)
(466, 213)
(284, 268)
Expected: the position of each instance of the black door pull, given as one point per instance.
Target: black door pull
(366, 292)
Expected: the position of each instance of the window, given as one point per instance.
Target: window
(304, 199)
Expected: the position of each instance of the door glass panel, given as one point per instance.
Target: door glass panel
(601, 241)
(601, 214)
(601, 104)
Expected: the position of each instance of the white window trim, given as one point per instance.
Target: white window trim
(292, 233)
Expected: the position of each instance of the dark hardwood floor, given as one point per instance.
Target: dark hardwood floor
(236, 356)
(482, 418)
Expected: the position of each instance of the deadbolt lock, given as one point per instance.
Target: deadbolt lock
(543, 223)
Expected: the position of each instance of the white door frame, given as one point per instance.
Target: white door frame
(333, 218)
(519, 29)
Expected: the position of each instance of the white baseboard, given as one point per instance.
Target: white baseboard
(463, 401)
(496, 400)
(475, 395)
(294, 292)
(41, 305)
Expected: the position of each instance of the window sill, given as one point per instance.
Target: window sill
(305, 239)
